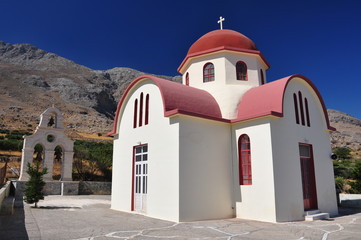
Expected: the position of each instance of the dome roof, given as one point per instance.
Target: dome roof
(219, 40)
(222, 38)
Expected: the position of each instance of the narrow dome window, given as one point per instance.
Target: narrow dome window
(241, 69)
(187, 79)
(208, 72)
(262, 77)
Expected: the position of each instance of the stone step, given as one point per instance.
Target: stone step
(312, 212)
(317, 216)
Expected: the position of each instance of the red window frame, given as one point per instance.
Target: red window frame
(245, 164)
(146, 110)
(296, 108)
(135, 113)
(301, 108)
(241, 69)
(307, 114)
(141, 110)
(208, 72)
(262, 77)
(187, 79)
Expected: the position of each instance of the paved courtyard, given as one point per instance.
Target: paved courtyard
(89, 217)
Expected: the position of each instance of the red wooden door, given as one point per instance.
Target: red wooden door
(308, 177)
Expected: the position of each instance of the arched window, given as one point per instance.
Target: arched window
(244, 155)
(301, 108)
(307, 113)
(146, 110)
(135, 113)
(241, 69)
(141, 110)
(262, 77)
(296, 108)
(208, 72)
(187, 79)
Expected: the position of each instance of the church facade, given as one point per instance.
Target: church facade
(224, 143)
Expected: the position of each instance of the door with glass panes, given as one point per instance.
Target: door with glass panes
(308, 177)
(140, 178)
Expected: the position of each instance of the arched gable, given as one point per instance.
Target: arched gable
(177, 99)
(45, 117)
(268, 100)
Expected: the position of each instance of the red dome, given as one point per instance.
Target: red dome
(221, 38)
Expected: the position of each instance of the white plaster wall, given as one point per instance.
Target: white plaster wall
(286, 136)
(205, 167)
(226, 89)
(163, 147)
(256, 201)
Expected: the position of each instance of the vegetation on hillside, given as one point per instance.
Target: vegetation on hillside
(92, 160)
(347, 171)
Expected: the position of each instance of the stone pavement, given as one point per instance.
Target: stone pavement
(89, 217)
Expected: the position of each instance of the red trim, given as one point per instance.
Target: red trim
(141, 110)
(175, 96)
(307, 113)
(177, 111)
(300, 100)
(133, 165)
(241, 71)
(309, 203)
(262, 77)
(245, 164)
(146, 109)
(135, 113)
(208, 72)
(220, 49)
(295, 104)
(268, 99)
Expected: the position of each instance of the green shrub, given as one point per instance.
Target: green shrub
(342, 152)
(13, 145)
(356, 184)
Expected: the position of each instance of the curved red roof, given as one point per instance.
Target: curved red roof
(177, 98)
(268, 99)
(221, 38)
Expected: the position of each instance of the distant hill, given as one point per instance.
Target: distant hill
(32, 80)
(348, 130)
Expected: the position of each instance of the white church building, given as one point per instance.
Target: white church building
(225, 143)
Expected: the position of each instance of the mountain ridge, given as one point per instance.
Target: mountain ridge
(32, 79)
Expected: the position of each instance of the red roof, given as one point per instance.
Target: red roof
(268, 99)
(177, 98)
(223, 39)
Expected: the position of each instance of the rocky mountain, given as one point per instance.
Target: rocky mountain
(348, 130)
(32, 80)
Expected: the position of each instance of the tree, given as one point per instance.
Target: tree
(34, 187)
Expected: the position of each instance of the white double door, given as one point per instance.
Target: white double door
(140, 178)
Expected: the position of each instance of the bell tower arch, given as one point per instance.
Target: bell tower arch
(50, 134)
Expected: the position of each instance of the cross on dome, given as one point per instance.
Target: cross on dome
(221, 21)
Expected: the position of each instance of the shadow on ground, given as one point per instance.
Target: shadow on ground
(13, 226)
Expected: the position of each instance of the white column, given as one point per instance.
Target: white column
(67, 166)
(27, 157)
(49, 164)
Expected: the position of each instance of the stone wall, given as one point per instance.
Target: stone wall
(350, 200)
(68, 188)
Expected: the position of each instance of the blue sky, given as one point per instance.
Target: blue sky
(318, 39)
